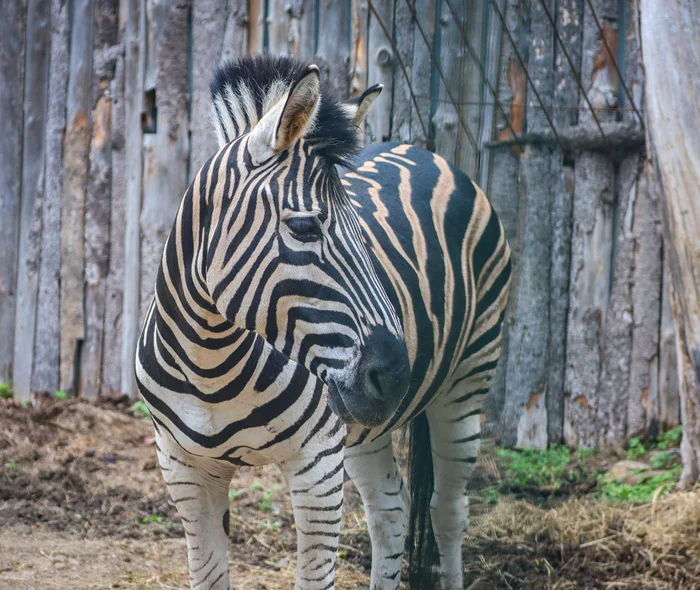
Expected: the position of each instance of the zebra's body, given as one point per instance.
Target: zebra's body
(246, 372)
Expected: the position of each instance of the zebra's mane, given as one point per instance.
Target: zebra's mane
(244, 90)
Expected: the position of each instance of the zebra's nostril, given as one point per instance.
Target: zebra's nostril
(374, 382)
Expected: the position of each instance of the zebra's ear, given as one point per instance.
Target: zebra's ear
(289, 119)
(358, 107)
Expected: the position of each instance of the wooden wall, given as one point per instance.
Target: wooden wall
(104, 119)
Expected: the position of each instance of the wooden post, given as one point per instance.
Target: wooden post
(404, 121)
(75, 158)
(504, 185)
(98, 196)
(29, 253)
(256, 25)
(669, 396)
(671, 61)
(358, 48)
(524, 419)
(114, 296)
(12, 38)
(133, 92)
(421, 76)
(335, 23)
(48, 326)
(166, 146)
(593, 236)
(380, 70)
(279, 22)
(236, 30)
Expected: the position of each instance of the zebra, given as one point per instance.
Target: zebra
(312, 298)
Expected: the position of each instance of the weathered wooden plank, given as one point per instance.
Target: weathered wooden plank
(236, 30)
(303, 31)
(208, 27)
(279, 21)
(98, 199)
(12, 38)
(380, 70)
(135, 64)
(423, 67)
(593, 236)
(114, 296)
(165, 151)
(404, 121)
(524, 419)
(472, 90)
(75, 158)
(504, 187)
(47, 341)
(448, 131)
(256, 25)
(29, 251)
(333, 52)
(669, 395)
(566, 90)
(643, 402)
(616, 341)
(358, 48)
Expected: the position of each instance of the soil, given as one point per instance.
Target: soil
(82, 505)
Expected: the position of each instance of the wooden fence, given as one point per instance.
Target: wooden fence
(104, 119)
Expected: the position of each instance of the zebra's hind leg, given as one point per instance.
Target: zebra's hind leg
(200, 493)
(455, 431)
(374, 471)
(315, 481)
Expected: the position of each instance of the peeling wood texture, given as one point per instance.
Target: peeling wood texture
(404, 121)
(12, 51)
(29, 251)
(334, 43)
(48, 327)
(669, 395)
(424, 24)
(671, 61)
(75, 159)
(380, 70)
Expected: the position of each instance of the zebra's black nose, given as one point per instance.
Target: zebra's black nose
(383, 372)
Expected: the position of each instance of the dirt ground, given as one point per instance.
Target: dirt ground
(82, 505)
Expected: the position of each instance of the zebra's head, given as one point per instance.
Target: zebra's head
(286, 256)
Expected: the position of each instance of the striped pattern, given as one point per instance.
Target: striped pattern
(274, 277)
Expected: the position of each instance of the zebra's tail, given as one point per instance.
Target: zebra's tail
(423, 557)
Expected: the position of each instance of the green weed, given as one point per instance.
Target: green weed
(140, 410)
(532, 467)
(62, 395)
(642, 492)
(6, 390)
(10, 464)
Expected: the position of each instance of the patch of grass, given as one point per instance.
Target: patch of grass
(636, 448)
(642, 492)
(62, 395)
(492, 496)
(156, 519)
(6, 390)
(140, 410)
(671, 438)
(265, 501)
(533, 467)
(10, 464)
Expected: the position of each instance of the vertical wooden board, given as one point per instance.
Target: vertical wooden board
(524, 417)
(29, 251)
(303, 41)
(404, 122)
(48, 327)
(473, 89)
(504, 183)
(256, 25)
(75, 158)
(446, 119)
(165, 151)
(114, 296)
(380, 70)
(135, 64)
(12, 38)
(358, 48)
(569, 20)
(614, 380)
(562, 205)
(424, 23)
(589, 289)
(235, 30)
(333, 52)
(279, 15)
(643, 402)
(99, 195)
(669, 395)
(208, 27)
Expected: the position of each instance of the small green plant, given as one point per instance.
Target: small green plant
(664, 460)
(6, 390)
(642, 492)
(266, 501)
(671, 438)
(234, 494)
(156, 519)
(62, 395)
(140, 410)
(492, 496)
(636, 448)
(10, 464)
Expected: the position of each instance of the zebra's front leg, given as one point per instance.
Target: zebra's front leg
(316, 485)
(374, 471)
(199, 489)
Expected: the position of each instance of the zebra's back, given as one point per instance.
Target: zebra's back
(442, 256)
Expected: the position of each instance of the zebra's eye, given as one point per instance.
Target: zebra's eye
(304, 229)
